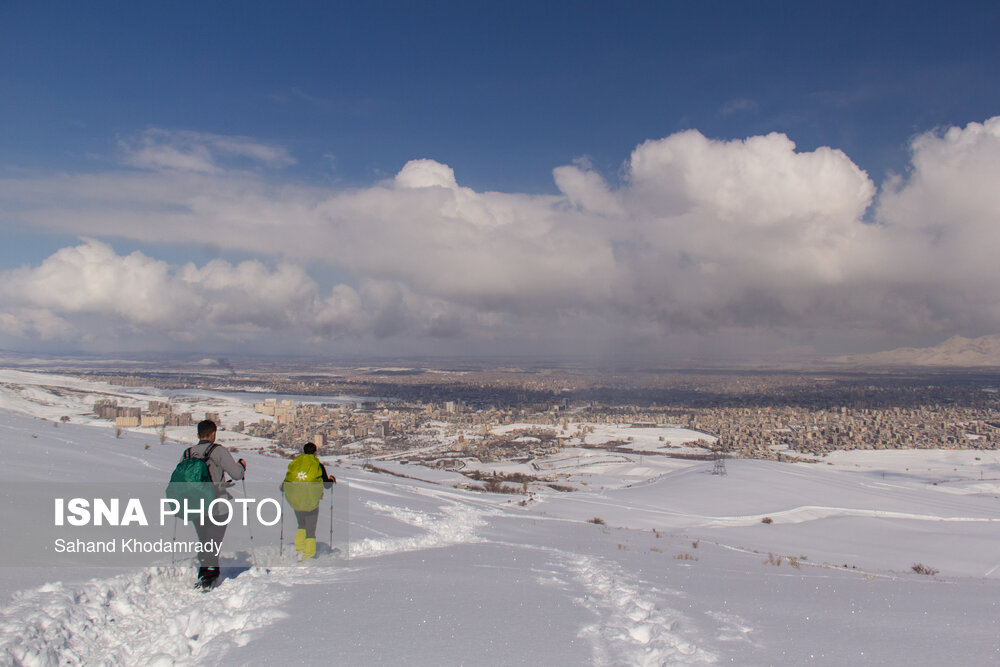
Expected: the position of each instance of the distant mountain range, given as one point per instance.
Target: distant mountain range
(956, 351)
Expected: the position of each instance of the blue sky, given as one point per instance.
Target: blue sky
(500, 91)
(345, 94)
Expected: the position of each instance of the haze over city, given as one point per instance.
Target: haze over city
(653, 180)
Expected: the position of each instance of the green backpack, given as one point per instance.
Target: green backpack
(191, 481)
(303, 484)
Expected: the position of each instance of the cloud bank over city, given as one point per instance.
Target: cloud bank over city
(695, 238)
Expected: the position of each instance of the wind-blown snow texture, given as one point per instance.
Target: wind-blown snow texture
(682, 572)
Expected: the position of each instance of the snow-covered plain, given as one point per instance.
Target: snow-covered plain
(681, 571)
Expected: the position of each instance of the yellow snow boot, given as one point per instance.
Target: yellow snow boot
(300, 540)
(310, 548)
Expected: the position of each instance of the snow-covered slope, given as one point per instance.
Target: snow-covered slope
(682, 571)
(957, 351)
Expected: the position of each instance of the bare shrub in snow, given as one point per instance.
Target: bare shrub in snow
(561, 487)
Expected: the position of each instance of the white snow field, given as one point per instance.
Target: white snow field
(682, 571)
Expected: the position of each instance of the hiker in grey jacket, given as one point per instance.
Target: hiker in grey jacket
(220, 463)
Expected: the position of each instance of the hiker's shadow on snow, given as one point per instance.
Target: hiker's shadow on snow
(231, 571)
(323, 549)
(233, 567)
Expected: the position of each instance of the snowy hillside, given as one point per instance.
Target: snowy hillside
(678, 568)
(957, 351)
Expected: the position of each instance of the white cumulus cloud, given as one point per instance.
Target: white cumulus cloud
(698, 235)
(136, 294)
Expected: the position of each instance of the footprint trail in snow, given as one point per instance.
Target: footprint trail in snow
(147, 617)
(154, 617)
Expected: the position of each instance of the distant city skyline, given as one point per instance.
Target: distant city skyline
(641, 180)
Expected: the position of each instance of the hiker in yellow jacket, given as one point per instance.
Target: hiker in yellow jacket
(303, 487)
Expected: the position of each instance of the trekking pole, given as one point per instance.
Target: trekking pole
(331, 520)
(173, 552)
(253, 554)
(281, 538)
